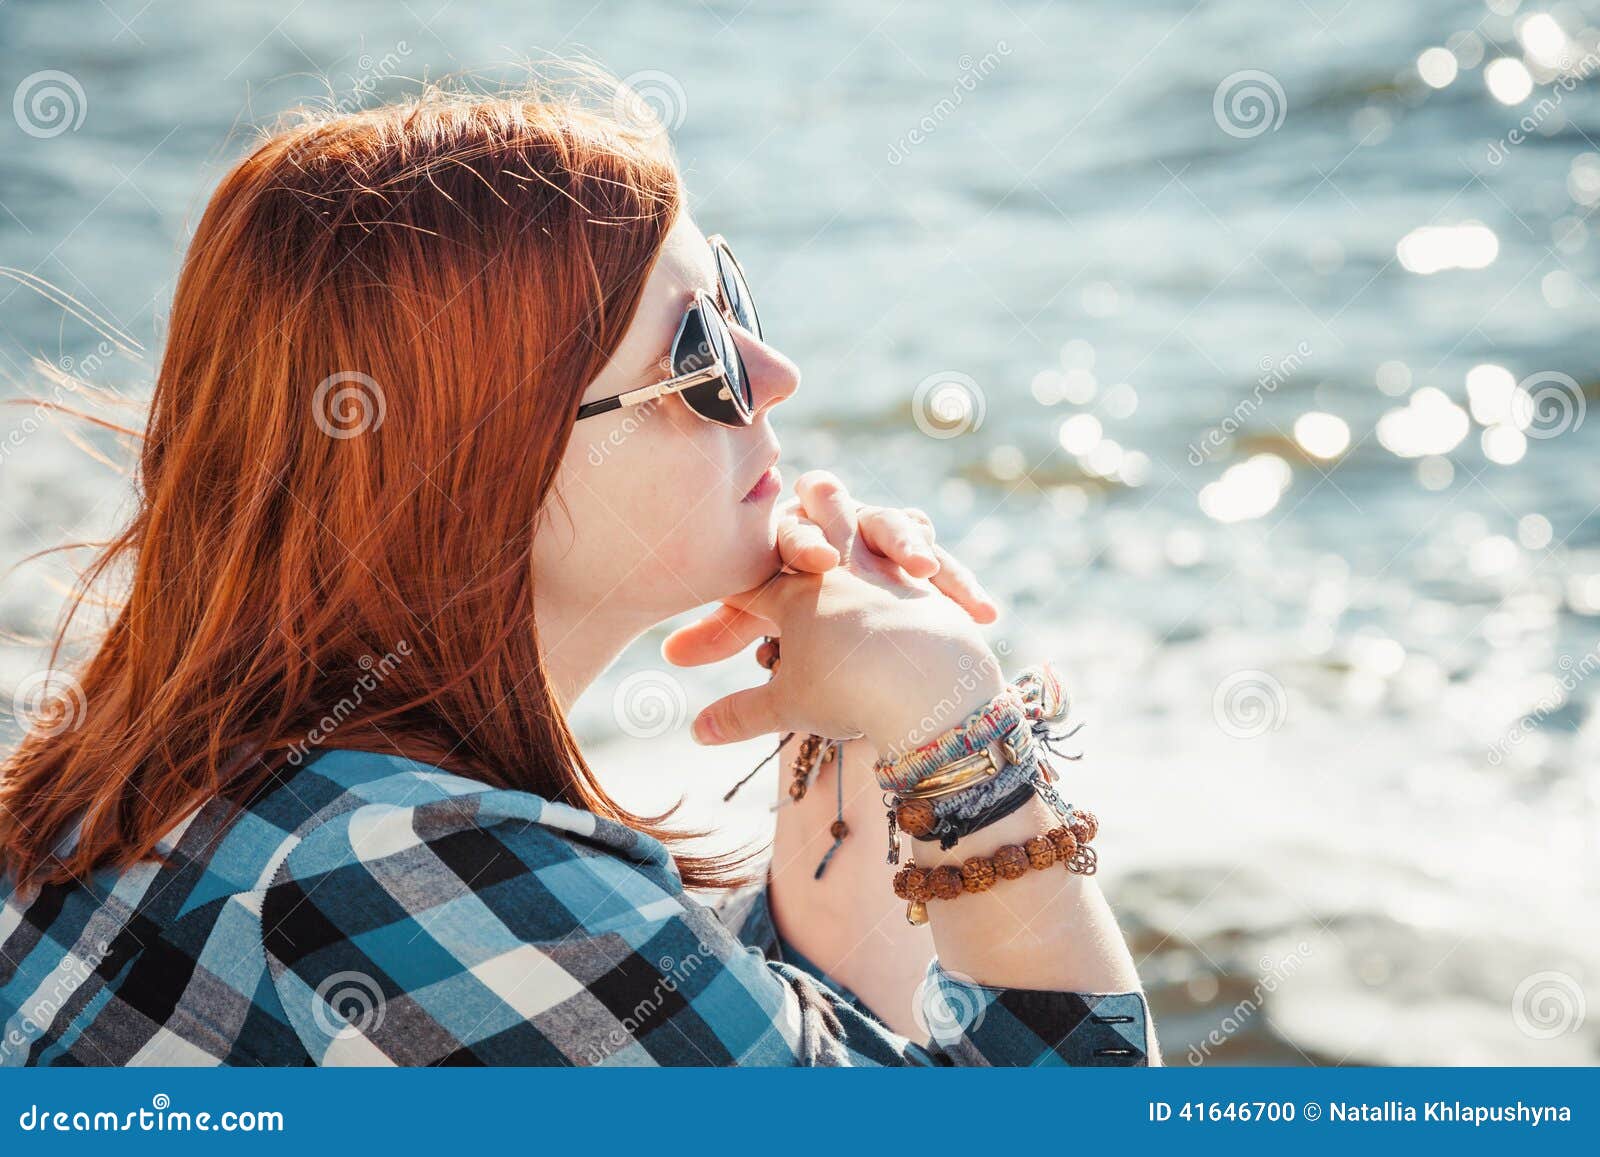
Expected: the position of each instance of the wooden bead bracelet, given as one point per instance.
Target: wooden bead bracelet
(1067, 845)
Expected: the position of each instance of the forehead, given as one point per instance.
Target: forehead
(684, 265)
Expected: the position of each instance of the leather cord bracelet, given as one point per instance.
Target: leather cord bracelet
(920, 818)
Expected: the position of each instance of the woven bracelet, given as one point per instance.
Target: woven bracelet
(1035, 697)
(999, 719)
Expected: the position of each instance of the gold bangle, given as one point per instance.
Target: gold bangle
(958, 774)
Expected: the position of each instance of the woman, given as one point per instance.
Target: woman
(456, 402)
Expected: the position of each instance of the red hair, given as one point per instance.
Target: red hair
(376, 348)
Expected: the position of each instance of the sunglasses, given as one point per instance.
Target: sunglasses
(707, 371)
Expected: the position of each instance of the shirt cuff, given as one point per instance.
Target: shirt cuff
(975, 1024)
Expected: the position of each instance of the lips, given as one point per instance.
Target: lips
(768, 484)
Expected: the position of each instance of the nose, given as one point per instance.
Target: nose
(773, 377)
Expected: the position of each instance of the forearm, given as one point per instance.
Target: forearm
(1047, 929)
(848, 923)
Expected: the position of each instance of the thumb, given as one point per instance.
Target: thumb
(720, 635)
(743, 715)
(773, 598)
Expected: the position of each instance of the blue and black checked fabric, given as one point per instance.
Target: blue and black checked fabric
(370, 910)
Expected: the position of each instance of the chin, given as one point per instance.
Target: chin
(753, 558)
(740, 553)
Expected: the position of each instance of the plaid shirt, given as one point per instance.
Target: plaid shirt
(371, 910)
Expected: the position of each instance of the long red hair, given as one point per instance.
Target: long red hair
(381, 332)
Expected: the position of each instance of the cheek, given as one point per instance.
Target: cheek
(691, 530)
(695, 525)
(658, 510)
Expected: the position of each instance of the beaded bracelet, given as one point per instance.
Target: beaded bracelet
(1067, 845)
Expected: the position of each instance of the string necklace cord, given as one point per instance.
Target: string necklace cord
(776, 751)
(840, 829)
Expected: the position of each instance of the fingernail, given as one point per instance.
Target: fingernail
(705, 730)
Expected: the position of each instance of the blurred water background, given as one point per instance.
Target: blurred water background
(1243, 348)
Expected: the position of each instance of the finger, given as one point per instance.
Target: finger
(774, 599)
(918, 515)
(829, 505)
(957, 582)
(719, 635)
(899, 538)
(742, 715)
(803, 546)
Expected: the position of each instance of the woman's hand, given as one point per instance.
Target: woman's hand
(867, 648)
(902, 536)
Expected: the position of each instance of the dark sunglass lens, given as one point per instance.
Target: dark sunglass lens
(733, 362)
(727, 351)
(693, 351)
(706, 337)
(737, 290)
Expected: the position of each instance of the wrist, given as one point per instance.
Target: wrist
(919, 713)
(1020, 825)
